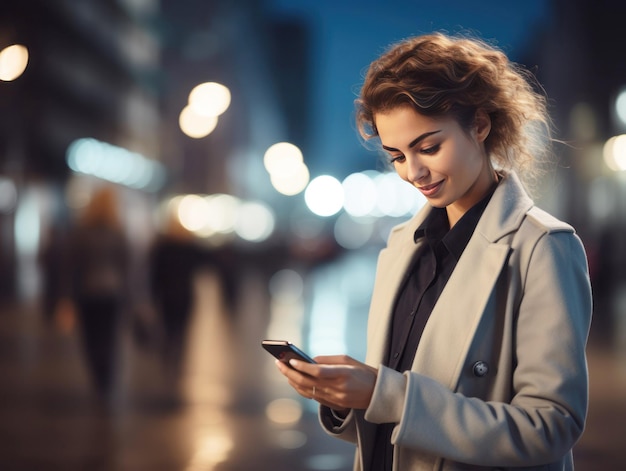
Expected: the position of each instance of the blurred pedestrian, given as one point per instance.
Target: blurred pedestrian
(481, 308)
(174, 259)
(99, 264)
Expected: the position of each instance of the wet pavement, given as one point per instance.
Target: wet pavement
(230, 411)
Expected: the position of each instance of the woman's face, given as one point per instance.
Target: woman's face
(448, 165)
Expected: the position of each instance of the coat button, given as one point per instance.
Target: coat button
(480, 369)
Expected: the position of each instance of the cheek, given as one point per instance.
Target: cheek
(457, 161)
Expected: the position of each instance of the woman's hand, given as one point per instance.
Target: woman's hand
(337, 381)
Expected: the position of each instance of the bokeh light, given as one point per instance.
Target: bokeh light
(614, 153)
(324, 196)
(211, 448)
(115, 164)
(8, 195)
(13, 62)
(209, 99)
(214, 216)
(284, 411)
(620, 106)
(192, 212)
(360, 194)
(291, 439)
(280, 155)
(291, 184)
(196, 125)
(285, 164)
(395, 197)
(254, 222)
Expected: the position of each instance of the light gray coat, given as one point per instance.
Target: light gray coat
(518, 302)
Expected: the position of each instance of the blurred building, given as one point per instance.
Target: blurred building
(581, 62)
(91, 74)
(113, 76)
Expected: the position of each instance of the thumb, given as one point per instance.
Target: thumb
(336, 360)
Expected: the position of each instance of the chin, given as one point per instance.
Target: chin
(439, 202)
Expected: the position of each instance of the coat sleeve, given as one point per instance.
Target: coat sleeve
(546, 413)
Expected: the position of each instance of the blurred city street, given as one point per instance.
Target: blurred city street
(234, 412)
(186, 178)
(50, 419)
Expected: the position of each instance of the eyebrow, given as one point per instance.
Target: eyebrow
(414, 142)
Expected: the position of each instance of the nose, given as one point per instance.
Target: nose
(416, 170)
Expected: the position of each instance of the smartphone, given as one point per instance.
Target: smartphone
(285, 351)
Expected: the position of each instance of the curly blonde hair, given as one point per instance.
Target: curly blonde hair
(445, 76)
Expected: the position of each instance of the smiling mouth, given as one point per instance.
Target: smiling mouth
(429, 190)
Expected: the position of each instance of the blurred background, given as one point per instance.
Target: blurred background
(180, 179)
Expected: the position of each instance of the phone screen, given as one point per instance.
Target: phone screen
(285, 351)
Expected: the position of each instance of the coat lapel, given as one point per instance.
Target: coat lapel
(393, 264)
(458, 311)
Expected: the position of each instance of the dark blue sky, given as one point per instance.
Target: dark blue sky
(346, 35)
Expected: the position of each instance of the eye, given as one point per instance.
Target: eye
(431, 150)
(396, 159)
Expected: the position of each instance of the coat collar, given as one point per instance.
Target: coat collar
(506, 210)
(503, 215)
(462, 302)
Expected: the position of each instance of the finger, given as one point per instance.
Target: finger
(310, 369)
(284, 369)
(302, 382)
(321, 371)
(308, 390)
(291, 373)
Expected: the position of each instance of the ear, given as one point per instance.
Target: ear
(482, 125)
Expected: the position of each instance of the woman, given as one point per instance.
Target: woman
(98, 266)
(482, 305)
